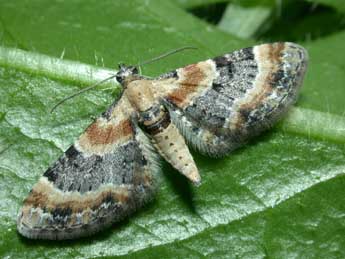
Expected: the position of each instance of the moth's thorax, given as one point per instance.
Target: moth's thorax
(139, 94)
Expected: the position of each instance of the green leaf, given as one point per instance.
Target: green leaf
(244, 22)
(324, 84)
(339, 5)
(280, 196)
(196, 3)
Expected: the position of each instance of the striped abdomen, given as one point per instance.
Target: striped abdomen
(168, 141)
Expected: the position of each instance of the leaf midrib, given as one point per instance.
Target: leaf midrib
(294, 122)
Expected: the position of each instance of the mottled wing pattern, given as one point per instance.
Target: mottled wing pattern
(104, 176)
(219, 103)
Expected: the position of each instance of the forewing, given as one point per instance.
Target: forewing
(107, 174)
(219, 103)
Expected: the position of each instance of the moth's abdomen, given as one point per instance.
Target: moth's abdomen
(168, 141)
(155, 119)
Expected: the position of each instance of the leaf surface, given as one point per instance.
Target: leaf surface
(280, 196)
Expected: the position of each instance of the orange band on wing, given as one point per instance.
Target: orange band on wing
(45, 196)
(102, 136)
(268, 59)
(193, 79)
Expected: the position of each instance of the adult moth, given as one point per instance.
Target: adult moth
(110, 171)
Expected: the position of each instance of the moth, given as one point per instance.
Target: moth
(112, 169)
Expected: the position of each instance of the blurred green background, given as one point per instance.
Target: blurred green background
(280, 196)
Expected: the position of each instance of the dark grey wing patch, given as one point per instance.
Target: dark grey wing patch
(236, 73)
(83, 174)
(198, 136)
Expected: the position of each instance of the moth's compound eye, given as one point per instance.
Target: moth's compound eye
(119, 78)
(121, 66)
(135, 70)
(132, 70)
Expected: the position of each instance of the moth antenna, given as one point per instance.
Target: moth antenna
(165, 55)
(80, 92)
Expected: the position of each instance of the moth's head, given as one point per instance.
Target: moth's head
(126, 72)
